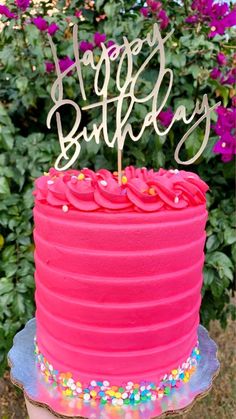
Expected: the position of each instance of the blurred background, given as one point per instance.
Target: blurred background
(202, 55)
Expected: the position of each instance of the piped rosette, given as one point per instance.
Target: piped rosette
(140, 190)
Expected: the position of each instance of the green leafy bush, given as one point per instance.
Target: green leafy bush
(28, 148)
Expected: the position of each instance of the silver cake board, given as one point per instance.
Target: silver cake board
(26, 375)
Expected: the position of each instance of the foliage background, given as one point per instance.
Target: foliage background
(28, 148)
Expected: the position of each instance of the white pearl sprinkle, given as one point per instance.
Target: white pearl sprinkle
(73, 387)
(86, 397)
(106, 383)
(153, 397)
(223, 145)
(124, 396)
(137, 397)
(50, 182)
(79, 389)
(93, 383)
(130, 383)
(103, 183)
(50, 367)
(65, 208)
(70, 382)
(176, 200)
(120, 402)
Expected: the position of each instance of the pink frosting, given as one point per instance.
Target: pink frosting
(141, 190)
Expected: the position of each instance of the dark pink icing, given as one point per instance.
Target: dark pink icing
(141, 190)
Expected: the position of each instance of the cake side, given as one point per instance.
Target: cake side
(118, 293)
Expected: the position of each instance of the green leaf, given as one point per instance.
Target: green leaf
(212, 243)
(4, 186)
(5, 286)
(209, 276)
(179, 61)
(1, 241)
(230, 236)
(22, 84)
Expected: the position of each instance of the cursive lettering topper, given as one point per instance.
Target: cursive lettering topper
(70, 143)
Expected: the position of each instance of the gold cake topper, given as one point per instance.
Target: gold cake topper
(101, 66)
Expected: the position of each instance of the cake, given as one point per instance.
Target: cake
(118, 281)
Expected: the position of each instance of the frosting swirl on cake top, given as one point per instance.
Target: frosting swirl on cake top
(141, 190)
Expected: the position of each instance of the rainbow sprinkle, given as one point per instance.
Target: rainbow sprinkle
(127, 394)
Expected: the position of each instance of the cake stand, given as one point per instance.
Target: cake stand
(38, 394)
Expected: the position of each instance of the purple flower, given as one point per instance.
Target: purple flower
(86, 46)
(225, 128)
(226, 146)
(165, 117)
(230, 77)
(99, 38)
(49, 66)
(215, 73)
(217, 28)
(218, 10)
(52, 29)
(6, 12)
(22, 4)
(65, 63)
(163, 18)
(144, 11)
(40, 23)
(111, 44)
(221, 58)
(192, 19)
(230, 19)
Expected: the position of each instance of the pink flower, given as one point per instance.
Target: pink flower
(6, 12)
(99, 38)
(165, 117)
(144, 11)
(78, 13)
(234, 101)
(49, 66)
(52, 29)
(163, 18)
(215, 73)
(154, 5)
(65, 63)
(40, 23)
(216, 28)
(221, 58)
(22, 4)
(86, 46)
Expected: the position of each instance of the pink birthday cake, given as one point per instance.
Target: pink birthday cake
(118, 281)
